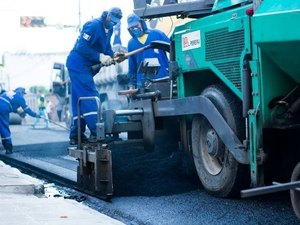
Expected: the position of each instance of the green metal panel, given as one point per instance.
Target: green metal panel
(223, 49)
(255, 122)
(253, 114)
(180, 82)
(274, 66)
(277, 33)
(276, 38)
(217, 43)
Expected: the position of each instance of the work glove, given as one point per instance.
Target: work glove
(106, 60)
(22, 114)
(37, 115)
(131, 86)
(119, 57)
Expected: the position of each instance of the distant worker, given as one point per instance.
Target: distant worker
(42, 112)
(92, 46)
(59, 107)
(12, 101)
(142, 36)
(49, 109)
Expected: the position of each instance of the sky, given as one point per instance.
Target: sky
(19, 40)
(56, 12)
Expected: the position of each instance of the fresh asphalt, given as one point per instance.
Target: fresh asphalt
(149, 188)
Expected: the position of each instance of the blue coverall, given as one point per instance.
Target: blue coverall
(134, 61)
(92, 41)
(11, 102)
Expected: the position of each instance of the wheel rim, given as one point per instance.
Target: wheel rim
(211, 149)
(295, 194)
(218, 170)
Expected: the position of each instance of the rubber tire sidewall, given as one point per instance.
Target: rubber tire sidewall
(222, 184)
(295, 195)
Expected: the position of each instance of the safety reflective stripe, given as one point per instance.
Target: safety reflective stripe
(90, 113)
(85, 114)
(76, 117)
(4, 100)
(6, 138)
(1, 98)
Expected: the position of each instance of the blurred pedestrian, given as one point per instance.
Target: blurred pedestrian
(59, 107)
(49, 109)
(42, 112)
(12, 101)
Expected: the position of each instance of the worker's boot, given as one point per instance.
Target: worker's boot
(74, 140)
(8, 147)
(93, 137)
(84, 138)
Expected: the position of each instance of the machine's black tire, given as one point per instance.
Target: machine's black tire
(221, 175)
(295, 195)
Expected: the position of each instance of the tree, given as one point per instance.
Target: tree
(37, 89)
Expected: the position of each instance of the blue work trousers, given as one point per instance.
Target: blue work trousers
(5, 134)
(82, 85)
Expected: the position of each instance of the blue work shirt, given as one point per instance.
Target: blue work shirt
(93, 40)
(15, 102)
(134, 61)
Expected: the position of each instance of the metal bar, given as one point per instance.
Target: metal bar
(270, 189)
(148, 124)
(57, 124)
(297, 188)
(95, 98)
(129, 112)
(79, 154)
(196, 9)
(202, 105)
(127, 127)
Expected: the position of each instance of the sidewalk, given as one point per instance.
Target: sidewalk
(20, 206)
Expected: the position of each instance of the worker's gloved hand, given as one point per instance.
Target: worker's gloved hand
(37, 115)
(106, 60)
(119, 57)
(131, 86)
(22, 114)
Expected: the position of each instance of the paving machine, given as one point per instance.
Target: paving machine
(233, 90)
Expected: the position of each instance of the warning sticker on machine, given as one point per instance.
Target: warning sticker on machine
(191, 40)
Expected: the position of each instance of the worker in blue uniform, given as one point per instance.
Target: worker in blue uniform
(142, 36)
(92, 46)
(12, 101)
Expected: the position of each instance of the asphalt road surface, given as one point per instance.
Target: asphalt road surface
(150, 188)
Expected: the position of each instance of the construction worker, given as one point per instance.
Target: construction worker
(42, 112)
(12, 101)
(142, 36)
(92, 46)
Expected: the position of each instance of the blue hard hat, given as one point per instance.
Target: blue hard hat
(20, 90)
(115, 14)
(133, 20)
